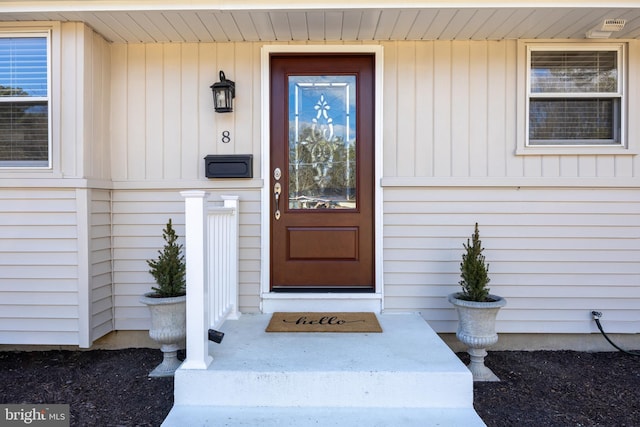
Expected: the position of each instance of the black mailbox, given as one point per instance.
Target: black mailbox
(229, 166)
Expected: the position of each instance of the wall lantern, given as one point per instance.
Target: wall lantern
(223, 93)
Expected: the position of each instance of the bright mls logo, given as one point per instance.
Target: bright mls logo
(34, 415)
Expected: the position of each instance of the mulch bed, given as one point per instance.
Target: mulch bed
(103, 387)
(541, 388)
(560, 388)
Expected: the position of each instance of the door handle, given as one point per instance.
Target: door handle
(277, 189)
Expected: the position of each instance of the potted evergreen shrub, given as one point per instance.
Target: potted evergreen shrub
(476, 308)
(167, 302)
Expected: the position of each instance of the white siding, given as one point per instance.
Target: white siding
(54, 266)
(50, 272)
(96, 141)
(554, 254)
(38, 267)
(84, 78)
(163, 127)
(555, 226)
(249, 265)
(138, 219)
(163, 120)
(100, 281)
(135, 122)
(562, 232)
(450, 112)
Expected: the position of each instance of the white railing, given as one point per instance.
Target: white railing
(211, 253)
(223, 261)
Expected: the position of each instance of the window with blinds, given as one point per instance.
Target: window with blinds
(24, 101)
(574, 96)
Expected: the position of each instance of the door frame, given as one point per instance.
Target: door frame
(296, 301)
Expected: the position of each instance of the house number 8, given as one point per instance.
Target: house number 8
(226, 137)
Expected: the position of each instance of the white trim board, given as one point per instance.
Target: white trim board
(298, 302)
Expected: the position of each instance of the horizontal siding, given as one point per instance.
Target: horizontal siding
(249, 252)
(101, 283)
(39, 337)
(38, 267)
(555, 255)
(138, 219)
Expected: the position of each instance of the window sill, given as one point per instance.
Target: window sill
(576, 151)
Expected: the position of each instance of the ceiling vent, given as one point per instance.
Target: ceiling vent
(606, 28)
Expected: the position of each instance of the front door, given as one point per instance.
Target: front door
(322, 172)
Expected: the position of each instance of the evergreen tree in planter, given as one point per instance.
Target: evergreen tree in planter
(167, 302)
(169, 269)
(473, 271)
(476, 308)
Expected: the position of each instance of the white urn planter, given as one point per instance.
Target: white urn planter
(168, 328)
(477, 330)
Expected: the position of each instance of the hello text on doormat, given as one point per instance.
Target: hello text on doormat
(324, 322)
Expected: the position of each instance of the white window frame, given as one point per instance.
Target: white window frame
(31, 33)
(624, 146)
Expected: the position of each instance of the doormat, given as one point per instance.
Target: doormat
(324, 322)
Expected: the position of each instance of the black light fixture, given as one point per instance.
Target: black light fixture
(223, 93)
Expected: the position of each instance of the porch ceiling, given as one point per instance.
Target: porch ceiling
(332, 20)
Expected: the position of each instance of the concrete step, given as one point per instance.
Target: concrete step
(257, 376)
(206, 416)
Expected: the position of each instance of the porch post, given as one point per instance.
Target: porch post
(197, 290)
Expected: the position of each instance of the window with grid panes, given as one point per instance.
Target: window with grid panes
(24, 100)
(575, 96)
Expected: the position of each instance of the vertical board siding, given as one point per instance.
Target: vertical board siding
(38, 267)
(84, 78)
(405, 128)
(101, 296)
(183, 111)
(97, 126)
(555, 255)
(139, 217)
(423, 158)
(71, 80)
(164, 123)
(450, 111)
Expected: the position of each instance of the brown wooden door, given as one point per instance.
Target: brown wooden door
(322, 169)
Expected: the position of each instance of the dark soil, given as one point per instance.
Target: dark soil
(560, 388)
(103, 387)
(542, 388)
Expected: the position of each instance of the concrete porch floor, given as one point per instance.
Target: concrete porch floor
(405, 376)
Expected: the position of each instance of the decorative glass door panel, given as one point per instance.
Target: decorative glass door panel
(322, 142)
(322, 172)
